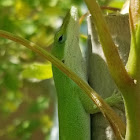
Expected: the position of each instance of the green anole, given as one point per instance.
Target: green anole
(74, 106)
(74, 121)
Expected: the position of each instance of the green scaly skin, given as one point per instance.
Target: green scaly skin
(74, 120)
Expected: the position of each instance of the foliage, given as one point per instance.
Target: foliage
(38, 71)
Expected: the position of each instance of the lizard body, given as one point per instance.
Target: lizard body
(74, 120)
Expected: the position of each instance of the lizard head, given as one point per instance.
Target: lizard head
(64, 37)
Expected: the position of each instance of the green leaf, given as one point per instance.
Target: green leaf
(116, 3)
(38, 71)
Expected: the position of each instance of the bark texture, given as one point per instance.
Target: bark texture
(99, 76)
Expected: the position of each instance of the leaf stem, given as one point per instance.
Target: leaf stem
(116, 123)
(115, 64)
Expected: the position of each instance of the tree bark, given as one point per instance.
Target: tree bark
(99, 76)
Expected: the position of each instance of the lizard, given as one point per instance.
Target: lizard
(74, 106)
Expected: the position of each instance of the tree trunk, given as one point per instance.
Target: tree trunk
(99, 76)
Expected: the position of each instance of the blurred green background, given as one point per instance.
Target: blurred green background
(27, 94)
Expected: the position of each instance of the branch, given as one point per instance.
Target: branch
(117, 125)
(115, 64)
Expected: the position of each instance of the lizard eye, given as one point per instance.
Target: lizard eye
(61, 39)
